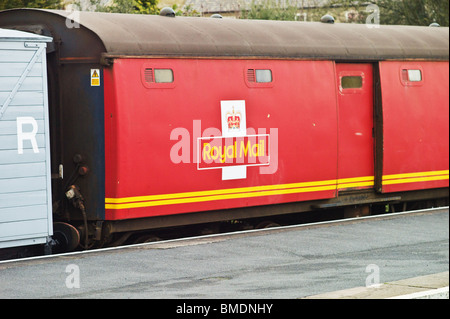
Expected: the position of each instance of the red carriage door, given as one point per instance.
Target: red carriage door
(355, 126)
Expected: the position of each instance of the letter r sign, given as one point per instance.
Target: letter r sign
(29, 134)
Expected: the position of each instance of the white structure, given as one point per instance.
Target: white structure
(25, 177)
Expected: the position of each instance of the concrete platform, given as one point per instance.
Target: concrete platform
(433, 286)
(313, 261)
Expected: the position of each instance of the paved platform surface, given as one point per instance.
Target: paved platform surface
(305, 262)
(433, 286)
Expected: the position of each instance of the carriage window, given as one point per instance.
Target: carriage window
(158, 75)
(351, 82)
(157, 78)
(411, 75)
(263, 76)
(258, 78)
(163, 76)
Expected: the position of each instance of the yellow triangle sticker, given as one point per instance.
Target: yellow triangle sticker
(95, 77)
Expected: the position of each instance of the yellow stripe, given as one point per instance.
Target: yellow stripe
(216, 192)
(268, 190)
(220, 197)
(356, 179)
(420, 174)
(416, 179)
(350, 185)
(232, 193)
(356, 182)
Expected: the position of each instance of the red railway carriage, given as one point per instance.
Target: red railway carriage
(162, 121)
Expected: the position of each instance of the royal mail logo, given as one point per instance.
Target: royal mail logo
(233, 120)
(220, 152)
(235, 150)
(232, 149)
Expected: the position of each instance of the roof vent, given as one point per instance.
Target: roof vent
(434, 24)
(327, 19)
(167, 12)
(217, 16)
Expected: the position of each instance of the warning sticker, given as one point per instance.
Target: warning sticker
(95, 77)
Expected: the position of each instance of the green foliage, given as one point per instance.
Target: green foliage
(269, 10)
(188, 10)
(125, 6)
(146, 6)
(121, 6)
(406, 12)
(116, 6)
(44, 4)
(403, 12)
(414, 12)
(399, 12)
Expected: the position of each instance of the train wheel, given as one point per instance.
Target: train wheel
(66, 237)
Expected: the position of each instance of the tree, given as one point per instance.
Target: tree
(116, 6)
(146, 6)
(414, 12)
(43, 4)
(399, 12)
(119, 6)
(404, 12)
(269, 10)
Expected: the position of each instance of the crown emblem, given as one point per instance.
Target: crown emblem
(233, 120)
